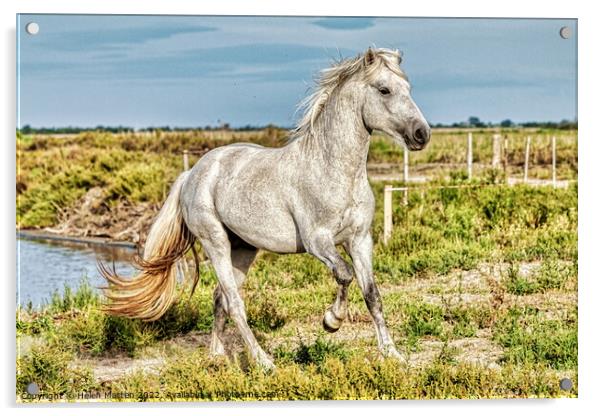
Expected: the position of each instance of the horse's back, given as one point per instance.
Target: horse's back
(218, 165)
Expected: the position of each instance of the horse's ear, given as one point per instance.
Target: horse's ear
(399, 56)
(369, 57)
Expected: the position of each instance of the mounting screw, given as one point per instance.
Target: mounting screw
(33, 388)
(565, 32)
(32, 28)
(566, 384)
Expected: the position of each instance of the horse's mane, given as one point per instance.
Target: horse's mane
(330, 78)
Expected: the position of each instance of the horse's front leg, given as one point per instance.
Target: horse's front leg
(322, 246)
(360, 250)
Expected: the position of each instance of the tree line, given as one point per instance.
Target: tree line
(470, 122)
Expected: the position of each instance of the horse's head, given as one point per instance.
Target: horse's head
(388, 105)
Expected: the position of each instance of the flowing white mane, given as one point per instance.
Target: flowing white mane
(330, 78)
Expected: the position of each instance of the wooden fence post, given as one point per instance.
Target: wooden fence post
(528, 145)
(554, 161)
(506, 155)
(185, 159)
(496, 160)
(406, 162)
(469, 156)
(388, 207)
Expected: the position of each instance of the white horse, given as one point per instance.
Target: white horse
(308, 196)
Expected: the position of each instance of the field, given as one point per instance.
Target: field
(479, 285)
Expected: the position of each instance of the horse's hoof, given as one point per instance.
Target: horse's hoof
(330, 322)
(217, 348)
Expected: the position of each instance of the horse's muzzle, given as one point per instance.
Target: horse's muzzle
(422, 135)
(419, 138)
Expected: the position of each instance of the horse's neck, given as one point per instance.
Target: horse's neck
(339, 140)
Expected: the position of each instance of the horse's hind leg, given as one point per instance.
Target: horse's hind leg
(322, 246)
(242, 258)
(216, 245)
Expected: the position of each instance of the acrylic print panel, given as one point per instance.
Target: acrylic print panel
(408, 232)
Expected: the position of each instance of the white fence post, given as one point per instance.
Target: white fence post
(406, 162)
(185, 160)
(388, 207)
(469, 156)
(526, 177)
(554, 161)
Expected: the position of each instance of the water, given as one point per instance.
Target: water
(44, 267)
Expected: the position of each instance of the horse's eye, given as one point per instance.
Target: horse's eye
(384, 91)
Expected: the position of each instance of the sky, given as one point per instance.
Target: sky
(186, 71)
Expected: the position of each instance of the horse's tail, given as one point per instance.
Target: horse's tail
(152, 291)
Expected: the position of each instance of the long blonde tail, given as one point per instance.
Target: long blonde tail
(150, 293)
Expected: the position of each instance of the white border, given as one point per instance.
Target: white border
(590, 72)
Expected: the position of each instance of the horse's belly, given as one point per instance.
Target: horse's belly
(261, 219)
(273, 233)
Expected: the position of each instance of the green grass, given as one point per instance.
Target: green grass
(74, 321)
(421, 320)
(314, 353)
(458, 228)
(333, 379)
(48, 366)
(529, 338)
(551, 275)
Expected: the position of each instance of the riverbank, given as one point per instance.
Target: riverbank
(96, 241)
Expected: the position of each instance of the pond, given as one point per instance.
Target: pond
(44, 267)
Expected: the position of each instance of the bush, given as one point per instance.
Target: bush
(49, 368)
(528, 338)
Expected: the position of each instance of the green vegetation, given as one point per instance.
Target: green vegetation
(321, 368)
(530, 338)
(478, 285)
(551, 275)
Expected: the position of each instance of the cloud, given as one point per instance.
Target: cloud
(345, 23)
(102, 39)
(453, 81)
(247, 62)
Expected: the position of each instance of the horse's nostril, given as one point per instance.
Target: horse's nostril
(421, 135)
